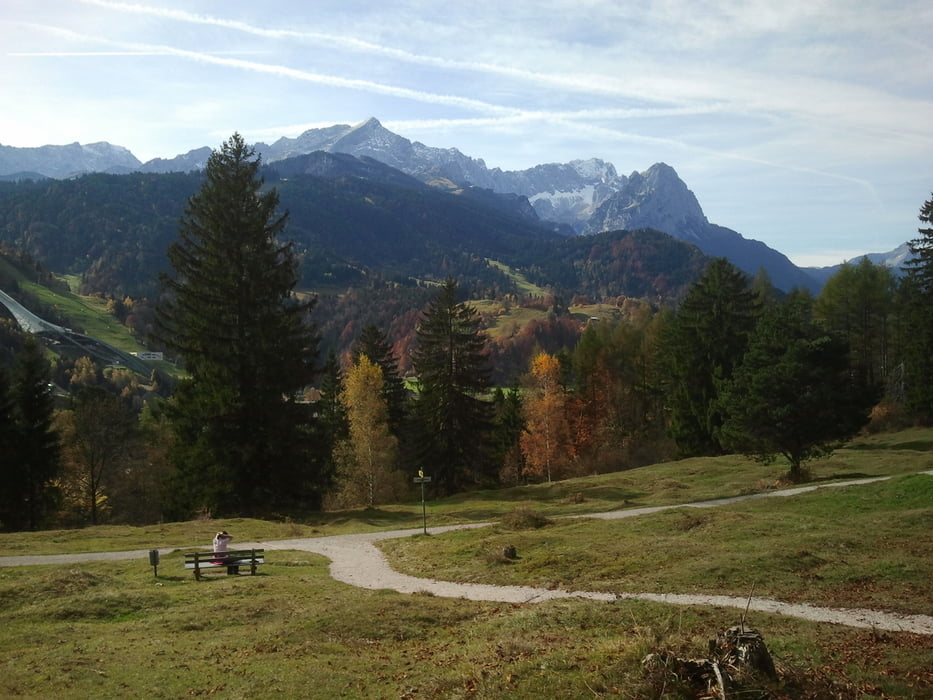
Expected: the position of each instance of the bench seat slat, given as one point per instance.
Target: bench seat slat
(231, 558)
(205, 563)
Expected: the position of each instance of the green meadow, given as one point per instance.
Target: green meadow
(115, 629)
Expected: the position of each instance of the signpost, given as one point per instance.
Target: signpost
(422, 479)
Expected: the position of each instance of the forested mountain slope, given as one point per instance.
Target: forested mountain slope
(353, 221)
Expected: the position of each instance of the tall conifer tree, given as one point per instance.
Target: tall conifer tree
(9, 447)
(244, 442)
(794, 393)
(28, 470)
(373, 344)
(858, 301)
(705, 343)
(451, 420)
(918, 291)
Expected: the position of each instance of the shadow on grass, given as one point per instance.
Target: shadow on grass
(553, 493)
(915, 445)
(475, 515)
(370, 516)
(838, 476)
(616, 494)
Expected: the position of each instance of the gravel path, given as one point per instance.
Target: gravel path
(355, 560)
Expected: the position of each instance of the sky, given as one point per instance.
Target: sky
(805, 124)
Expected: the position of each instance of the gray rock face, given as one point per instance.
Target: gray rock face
(562, 192)
(192, 160)
(656, 198)
(659, 199)
(67, 161)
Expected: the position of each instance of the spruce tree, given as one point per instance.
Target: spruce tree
(451, 420)
(794, 394)
(373, 344)
(9, 446)
(244, 443)
(333, 427)
(858, 301)
(704, 344)
(29, 469)
(918, 291)
(509, 423)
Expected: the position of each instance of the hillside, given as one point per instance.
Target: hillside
(580, 196)
(353, 220)
(371, 241)
(84, 325)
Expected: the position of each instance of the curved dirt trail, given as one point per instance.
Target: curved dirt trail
(355, 560)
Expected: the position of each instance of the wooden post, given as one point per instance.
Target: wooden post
(422, 479)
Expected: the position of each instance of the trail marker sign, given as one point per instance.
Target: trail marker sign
(422, 479)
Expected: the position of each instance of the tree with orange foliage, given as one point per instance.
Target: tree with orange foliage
(546, 440)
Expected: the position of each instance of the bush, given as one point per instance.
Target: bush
(524, 519)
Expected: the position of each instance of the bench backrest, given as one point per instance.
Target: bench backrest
(224, 558)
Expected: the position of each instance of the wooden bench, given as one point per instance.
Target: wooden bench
(232, 561)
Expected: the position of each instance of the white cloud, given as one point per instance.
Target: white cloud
(825, 100)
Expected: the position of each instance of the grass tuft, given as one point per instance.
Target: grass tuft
(524, 519)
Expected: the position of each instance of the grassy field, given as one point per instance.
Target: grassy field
(88, 313)
(836, 548)
(524, 286)
(116, 630)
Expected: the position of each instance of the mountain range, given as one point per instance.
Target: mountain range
(580, 197)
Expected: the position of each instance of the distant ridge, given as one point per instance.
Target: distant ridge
(66, 161)
(587, 196)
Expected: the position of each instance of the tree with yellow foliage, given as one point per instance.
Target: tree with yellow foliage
(367, 459)
(546, 440)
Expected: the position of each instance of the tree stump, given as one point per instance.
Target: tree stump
(742, 647)
(738, 660)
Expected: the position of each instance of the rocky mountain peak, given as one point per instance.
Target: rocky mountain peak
(655, 198)
(68, 160)
(595, 169)
(372, 139)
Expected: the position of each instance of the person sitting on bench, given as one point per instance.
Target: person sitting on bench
(221, 540)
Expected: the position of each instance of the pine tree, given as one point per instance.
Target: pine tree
(920, 266)
(373, 344)
(918, 291)
(705, 343)
(451, 421)
(29, 470)
(506, 439)
(793, 394)
(9, 448)
(858, 301)
(331, 412)
(243, 441)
